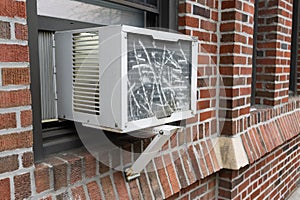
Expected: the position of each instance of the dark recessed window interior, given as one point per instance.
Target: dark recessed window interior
(52, 135)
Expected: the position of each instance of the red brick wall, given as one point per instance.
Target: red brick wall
(16, 156)
(274, 176)
(200, 19)
(236, 46)
(298, 61)
(78, 174)
(274, 47)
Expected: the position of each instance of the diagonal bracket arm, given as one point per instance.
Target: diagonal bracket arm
(163, 133)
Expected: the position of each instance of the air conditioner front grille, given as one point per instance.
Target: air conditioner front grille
(85, 52)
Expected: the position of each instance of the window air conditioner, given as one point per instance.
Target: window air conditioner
(123, 78)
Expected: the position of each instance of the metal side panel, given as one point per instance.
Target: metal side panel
(111, 77)
(63, 57)
(48, 102)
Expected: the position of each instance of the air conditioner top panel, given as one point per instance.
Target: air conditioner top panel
(157, 34)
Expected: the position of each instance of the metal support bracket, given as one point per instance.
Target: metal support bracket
(163, 133)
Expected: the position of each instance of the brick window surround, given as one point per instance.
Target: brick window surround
(199, 163)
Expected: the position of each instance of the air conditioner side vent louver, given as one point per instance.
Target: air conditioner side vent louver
(85, 72)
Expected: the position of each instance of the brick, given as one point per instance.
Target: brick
(229, 128)
(247, 148)
(15, 76)
(190, 188)
(211, 4)
(231, 4)
(103, 162)
(8, 120)
(192, 120)
(201, 11)
(203, 104)
(209, 195)
(59, 173)
(216, 164)
(27, 159)
(206, 115)
(252, 146)
(254, 143)
(10, 8)
(187, 167)
(225, 194)
(5, 189)
(90, 166)
(208, 93)
(137, 149)
(134, 190)
(228, 59)
(4, 30)
(21, 31)
(209, 26)
(206, 153)
(195, 162)
(145, 187)
(22, 186)
(162, 176)
(154, 181)
(179, 170)
(94, 191)
(107, 188)
(173, 141)
(14, 53)
(270, 136)
(9, 163)
(26, 118)
(202, 36)
(16, 141)
(75, 164)
(16, 98)
(188, 21)
(230, 27)
(184, 8)
(120, 185)
(63, 196)
(202, 162)
(198, 192)
(78, 193)
(171, 174)
(126, 153)
(42, 177)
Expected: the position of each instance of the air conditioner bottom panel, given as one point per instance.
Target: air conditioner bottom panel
(93, 122)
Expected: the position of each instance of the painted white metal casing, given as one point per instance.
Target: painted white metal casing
(107, 67)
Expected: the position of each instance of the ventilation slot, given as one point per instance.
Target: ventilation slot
(86, 73)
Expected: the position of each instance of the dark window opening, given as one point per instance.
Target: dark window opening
(294, 52)
(52, 135)
(255, 53)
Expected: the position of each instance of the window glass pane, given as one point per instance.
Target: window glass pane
(90, 13)
(159, 77)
